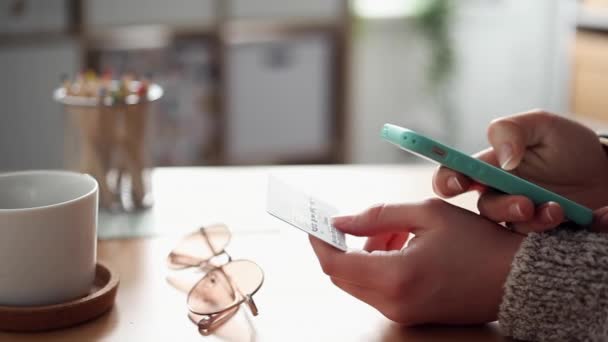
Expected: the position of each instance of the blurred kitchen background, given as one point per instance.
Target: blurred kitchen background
(291, 82)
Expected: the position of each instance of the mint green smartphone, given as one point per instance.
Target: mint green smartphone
(481, 171)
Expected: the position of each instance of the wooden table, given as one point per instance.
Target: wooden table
(297, 301)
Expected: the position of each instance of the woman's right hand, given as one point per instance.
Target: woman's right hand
(452, 271)
(556, 153)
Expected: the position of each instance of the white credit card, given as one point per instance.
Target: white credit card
(303, 211)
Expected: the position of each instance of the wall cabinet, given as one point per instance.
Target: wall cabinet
(21, 16)
(278, 100)
(31, 123)
(101, 14)
(280, 9)
(256, 81)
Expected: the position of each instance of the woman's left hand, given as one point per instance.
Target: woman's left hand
(452, 271)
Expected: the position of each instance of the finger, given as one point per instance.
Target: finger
(406, 314)
(499, 207)
(398, 241)
(372, 270)
(546, 217)
(510, 136)
(488, 155)
(385, 218)
(600, 220)
(378, 300)
(385, 242)
(369, 296)
(448, 183)
(378, 242)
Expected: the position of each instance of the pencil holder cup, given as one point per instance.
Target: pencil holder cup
(110, 133)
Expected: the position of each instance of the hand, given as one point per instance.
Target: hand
(452, 271)
(600, 220)
(551, 151)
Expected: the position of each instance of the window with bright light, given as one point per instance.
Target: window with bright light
(380, 9)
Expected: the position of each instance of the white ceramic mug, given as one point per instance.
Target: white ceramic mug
(48, 236)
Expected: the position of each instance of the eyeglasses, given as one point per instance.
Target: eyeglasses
(217, 296)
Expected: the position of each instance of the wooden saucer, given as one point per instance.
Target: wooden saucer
(48, 317)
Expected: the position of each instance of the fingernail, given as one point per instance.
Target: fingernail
(454, 184)
(341, 220)
(505, 156)
(548, 216)
(515, 210)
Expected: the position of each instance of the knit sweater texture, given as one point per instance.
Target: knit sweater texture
(557, 289)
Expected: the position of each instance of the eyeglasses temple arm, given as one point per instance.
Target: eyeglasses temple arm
(251, 305)
(184, 260)
(207, 324)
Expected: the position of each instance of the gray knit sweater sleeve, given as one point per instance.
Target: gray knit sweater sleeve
(558, 288)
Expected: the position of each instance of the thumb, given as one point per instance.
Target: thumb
(511, 136)
(386, 218)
